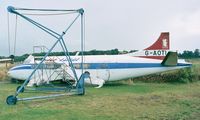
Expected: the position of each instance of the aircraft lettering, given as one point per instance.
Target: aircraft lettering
(72, 59)
(156, 53)
(146, 53)
(159, 52)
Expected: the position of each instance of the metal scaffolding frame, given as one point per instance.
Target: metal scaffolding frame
(79, 88)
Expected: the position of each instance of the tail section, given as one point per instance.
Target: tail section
(157, 50)
(162, 43)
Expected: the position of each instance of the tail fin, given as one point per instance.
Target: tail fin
(156, 51)
(162, 43)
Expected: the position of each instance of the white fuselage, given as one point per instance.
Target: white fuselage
(100, 67)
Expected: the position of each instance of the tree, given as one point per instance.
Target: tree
(187, 54)
(196, 53)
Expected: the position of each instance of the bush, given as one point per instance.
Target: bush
(195, 73)
(185, 75)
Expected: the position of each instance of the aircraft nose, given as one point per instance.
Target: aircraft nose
(9, 73)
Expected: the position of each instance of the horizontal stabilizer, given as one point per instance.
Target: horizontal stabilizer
(170, 59)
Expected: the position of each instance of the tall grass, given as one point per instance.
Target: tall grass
(3, 71)
(195, 72)
(185, 75)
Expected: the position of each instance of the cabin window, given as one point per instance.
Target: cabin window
(78, 65)
(47, 66)
(86, 66)
(103, 66)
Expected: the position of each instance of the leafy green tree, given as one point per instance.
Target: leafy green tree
(196, 53)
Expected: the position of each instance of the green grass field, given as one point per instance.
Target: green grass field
(112, 102)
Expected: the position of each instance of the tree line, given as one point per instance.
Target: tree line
(190, 54)
(91, 52)
(186, 54)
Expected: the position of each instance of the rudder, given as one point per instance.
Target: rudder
(162, 42)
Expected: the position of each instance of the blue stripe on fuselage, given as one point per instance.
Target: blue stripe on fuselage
(120, 65)
(21, 67)
(107, 65)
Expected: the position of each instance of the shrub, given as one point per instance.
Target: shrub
(185, 75)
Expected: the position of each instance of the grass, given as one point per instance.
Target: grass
(112, 102)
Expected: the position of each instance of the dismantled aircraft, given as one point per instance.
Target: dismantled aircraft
(103, 68)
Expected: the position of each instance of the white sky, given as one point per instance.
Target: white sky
(122, 24)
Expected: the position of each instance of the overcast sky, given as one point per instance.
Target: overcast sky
(122, 24)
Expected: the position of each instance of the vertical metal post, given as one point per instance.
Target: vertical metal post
(15, 36)
(81, 11)
(8, 33)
